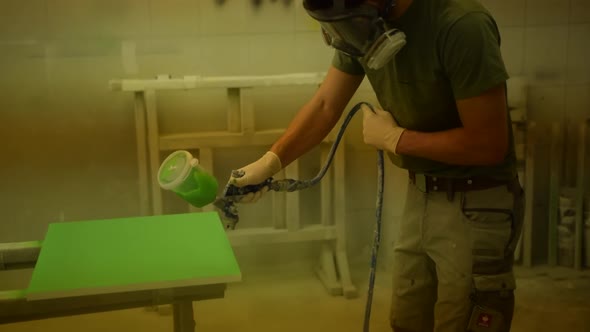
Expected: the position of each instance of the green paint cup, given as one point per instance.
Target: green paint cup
(181, 173)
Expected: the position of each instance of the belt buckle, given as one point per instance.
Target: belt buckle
(420, 182)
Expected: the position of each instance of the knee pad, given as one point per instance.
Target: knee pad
(492, 303)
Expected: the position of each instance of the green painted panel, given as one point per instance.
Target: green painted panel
(114, 255)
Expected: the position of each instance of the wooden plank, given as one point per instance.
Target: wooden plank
(279, 205)
(153, 134)
(341, 252)
(247, 111)
(326, 188)
(206, 161)
(269, 235)
(222, 139)
(234, 118)
(580, 182)
(293, 216)
(194, 82)
(133, 254)
(554, 190)
(143, 180)
(339, 165)
(19, 254)
(326, 270)
(529, 196)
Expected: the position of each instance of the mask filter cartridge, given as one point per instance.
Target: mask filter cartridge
(385, 48)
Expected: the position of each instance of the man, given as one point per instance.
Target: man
(445, 120)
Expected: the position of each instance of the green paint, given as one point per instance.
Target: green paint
(199, 189)
(181, 173)
(127, 252)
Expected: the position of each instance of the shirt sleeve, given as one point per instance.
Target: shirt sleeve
(347, 64)
(471, 55)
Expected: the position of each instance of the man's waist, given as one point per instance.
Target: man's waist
(428, 183)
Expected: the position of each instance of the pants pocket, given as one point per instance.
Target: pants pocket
(492, 303)
(490, 215)
(491, 231)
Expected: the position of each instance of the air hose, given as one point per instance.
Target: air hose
(290, 185)
(379, 205)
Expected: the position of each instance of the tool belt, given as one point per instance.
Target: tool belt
(428, 183)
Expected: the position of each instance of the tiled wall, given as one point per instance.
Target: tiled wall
(547, 41)
(70, 141)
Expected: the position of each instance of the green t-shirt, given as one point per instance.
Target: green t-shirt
(452, 52)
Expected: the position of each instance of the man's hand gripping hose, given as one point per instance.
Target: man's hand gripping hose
(233, 194)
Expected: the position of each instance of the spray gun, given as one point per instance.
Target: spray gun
(182, 174)
(226, 204)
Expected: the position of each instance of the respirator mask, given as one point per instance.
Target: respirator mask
(359, 31)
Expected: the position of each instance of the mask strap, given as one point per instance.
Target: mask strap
(389, 7)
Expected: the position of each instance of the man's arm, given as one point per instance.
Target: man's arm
(309, 127)
(482, 140)
(471, 58)
(318, 116)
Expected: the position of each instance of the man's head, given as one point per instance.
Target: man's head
(357, 28)
(382, 5)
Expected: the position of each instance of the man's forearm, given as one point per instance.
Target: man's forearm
(454, 146)
(309, 127)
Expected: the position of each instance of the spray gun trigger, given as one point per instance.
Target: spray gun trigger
(232, 195)
(228, 211)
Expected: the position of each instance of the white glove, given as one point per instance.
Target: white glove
(380, 129)
(257, 172)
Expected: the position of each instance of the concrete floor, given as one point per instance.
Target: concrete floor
(548, 299)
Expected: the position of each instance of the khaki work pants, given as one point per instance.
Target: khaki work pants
(452, 261)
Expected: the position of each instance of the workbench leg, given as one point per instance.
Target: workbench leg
(141, 138)
(326, 271)
(183, 316)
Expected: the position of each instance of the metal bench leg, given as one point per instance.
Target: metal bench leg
(183, 316)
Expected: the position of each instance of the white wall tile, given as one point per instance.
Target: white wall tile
(311, 53)
(546, 103)
(18, 50)
(507, 12)
(275, 107)
(513, 49)
(303, 22)
(227, 18)
(577, 101)
(174, 17)
(176, 65)
(24, 86)
(546, 53)
(199, 110)
(580, 11)
(271, 17)
(362, 178)
(271, 54)
(80, 49)
(547, 12)
(177, 57)
(22, 20)
(98, 19)
(578, 53)
(224, 55)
